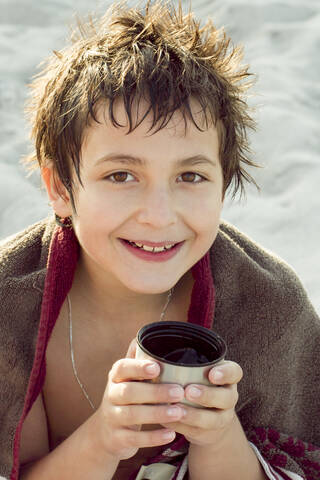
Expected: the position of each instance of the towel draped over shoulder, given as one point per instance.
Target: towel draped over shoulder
(247, 295)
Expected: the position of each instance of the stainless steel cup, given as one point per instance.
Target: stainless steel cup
(185, 351)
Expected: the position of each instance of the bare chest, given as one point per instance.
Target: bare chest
(66, 406)
(94, 353)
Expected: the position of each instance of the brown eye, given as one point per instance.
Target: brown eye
(119, 177)
(188, 177)
(191, 177)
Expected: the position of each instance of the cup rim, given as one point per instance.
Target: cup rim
(190, 327)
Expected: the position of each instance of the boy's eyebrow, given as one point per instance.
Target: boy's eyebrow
(131, 159)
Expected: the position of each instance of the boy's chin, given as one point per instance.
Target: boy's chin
(150, 289)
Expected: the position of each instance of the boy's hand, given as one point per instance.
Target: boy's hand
(129, 403)
(207, 426)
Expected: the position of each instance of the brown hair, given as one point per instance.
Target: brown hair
(155, 52)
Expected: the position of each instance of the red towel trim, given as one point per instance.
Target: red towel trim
(61, 265)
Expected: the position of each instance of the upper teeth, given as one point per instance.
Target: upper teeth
(153, 249)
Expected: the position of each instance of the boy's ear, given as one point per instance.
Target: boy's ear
(58, 195)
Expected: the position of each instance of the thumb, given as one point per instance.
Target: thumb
(131, 353)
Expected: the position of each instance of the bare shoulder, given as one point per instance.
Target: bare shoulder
(34, 442)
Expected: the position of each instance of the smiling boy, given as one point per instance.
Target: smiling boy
(135, 190)
(140, 128)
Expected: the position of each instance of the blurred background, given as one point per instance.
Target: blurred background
(281, 41)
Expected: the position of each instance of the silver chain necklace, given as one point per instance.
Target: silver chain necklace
(71, 344)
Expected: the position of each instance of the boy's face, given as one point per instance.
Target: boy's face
(164, 187)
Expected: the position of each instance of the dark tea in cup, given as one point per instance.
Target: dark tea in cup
(185, 351)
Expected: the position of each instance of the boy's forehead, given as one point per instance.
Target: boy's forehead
(178, 124)
(180, 139)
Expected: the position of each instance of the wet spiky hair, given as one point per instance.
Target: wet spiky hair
(155, 52)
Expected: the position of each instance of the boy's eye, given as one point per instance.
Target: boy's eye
(119, 177)
(192, 177)
(122, 177)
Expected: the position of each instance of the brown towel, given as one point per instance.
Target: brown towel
(261, 310)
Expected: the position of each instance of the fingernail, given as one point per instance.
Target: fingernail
(175, 392)
(194, 392)
(151, 369)
(173, 411)
(217, 375)
(168, 435)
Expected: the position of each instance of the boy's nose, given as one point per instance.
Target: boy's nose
(157, 208)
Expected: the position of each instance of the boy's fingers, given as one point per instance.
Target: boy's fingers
(226, 373)
(129, 393)
(131, 353)
(133, 369)
(204, 419)
(128, 415)
(222, 398)
(141, 439)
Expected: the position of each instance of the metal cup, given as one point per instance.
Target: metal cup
(185, 351)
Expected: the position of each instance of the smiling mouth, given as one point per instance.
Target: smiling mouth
(148, 248)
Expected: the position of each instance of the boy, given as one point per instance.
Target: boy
(139, 130)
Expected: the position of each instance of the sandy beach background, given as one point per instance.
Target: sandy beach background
(282, 44)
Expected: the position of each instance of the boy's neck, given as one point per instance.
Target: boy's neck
(104, 301)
